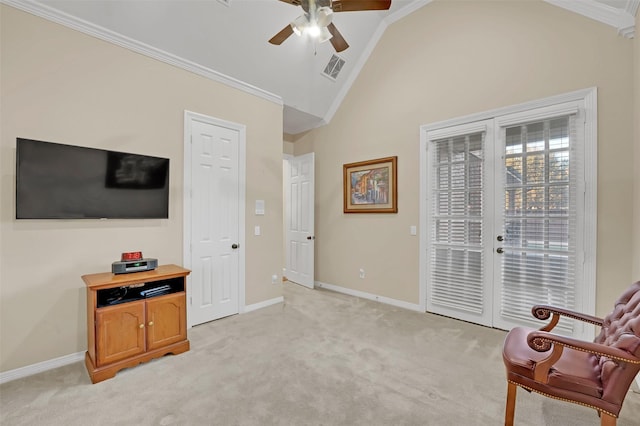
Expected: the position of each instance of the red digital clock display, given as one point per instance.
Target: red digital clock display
(132, 255)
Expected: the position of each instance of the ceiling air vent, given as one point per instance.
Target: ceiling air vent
(333, 67)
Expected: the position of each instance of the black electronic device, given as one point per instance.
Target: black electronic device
(139, 291)
(57, 181)
(115, 295)
(128, 267)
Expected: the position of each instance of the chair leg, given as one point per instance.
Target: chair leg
(607, 420)
(511, 404)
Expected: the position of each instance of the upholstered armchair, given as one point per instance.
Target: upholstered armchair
(595, 374)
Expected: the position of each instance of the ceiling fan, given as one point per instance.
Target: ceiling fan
(317, 17)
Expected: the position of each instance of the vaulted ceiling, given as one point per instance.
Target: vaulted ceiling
(226, 40)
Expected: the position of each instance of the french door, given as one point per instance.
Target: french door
(459, 229)
(538, 235)
(505, 216)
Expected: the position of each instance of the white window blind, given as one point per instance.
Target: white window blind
(457, 194)
(540, 187)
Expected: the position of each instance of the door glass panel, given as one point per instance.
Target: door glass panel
(535, 168)
(457, 254)
(535, 137)
(538, 261)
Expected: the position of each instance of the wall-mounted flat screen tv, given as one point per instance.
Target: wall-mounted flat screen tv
(57, 181)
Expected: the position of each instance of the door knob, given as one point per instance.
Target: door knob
(499, 250)
(234, 246)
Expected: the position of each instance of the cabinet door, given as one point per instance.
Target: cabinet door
(120, 332)
(166, 320)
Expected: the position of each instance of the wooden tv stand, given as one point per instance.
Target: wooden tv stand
(133, 318)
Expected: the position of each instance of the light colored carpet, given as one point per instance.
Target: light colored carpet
(321, 358)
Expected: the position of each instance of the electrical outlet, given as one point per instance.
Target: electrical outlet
(361, 273)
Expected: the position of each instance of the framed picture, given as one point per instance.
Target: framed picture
(371, 186)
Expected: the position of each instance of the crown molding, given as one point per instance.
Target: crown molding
(624, 20)
(632, 7)
(53, 15)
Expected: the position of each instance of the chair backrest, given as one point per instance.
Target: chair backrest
(620, 329)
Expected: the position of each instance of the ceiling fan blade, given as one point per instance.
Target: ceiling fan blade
(338, 42)
(355, 5)
(282, 35)
(292, 2)
(303, 3)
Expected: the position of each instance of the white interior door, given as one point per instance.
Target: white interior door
(214, 216)
(299, 219)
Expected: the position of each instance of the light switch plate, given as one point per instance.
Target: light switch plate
(259, 207)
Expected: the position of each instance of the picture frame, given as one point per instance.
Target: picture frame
(371, 186)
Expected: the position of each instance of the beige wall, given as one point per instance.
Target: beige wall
(636, 118)
(59, 85)
(287, 148)
(447, 60)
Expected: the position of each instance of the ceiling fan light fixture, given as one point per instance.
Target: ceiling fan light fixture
(316, 22)
(313, 31)
(300, 24)
(325, 35)
(324, 16)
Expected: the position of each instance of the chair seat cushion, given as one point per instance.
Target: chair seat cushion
(575, 371)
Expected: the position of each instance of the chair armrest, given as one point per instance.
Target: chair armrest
(542, 341)
(543, 312)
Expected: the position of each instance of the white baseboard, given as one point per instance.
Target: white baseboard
(263, 304)
(369, 296)
(29, 370)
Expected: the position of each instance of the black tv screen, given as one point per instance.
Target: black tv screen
(57, 181)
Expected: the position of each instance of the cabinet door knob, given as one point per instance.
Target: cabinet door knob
(141, 326)
(150, 323)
